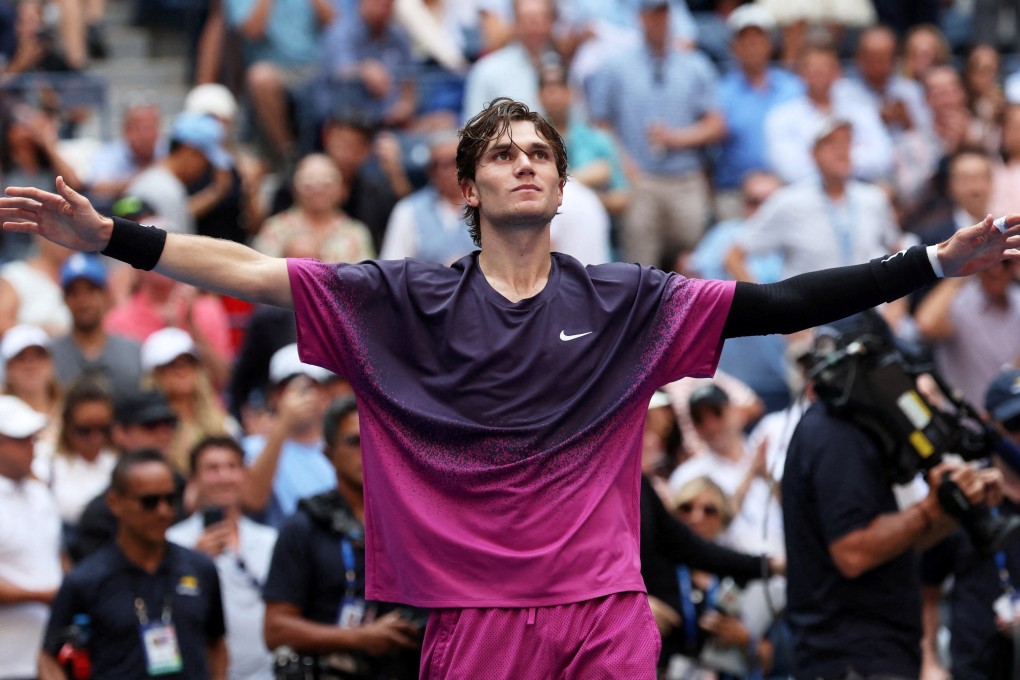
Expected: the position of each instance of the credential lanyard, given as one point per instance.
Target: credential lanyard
(690, 614)
(842, 222)
(350, 573)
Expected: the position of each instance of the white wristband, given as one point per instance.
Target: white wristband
(933, 257)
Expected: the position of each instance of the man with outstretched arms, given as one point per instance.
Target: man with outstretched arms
(502, 399)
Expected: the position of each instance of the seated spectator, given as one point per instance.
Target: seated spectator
(88, 348)
(37, 47)
(316, 217)
(30, 571)
(512, 71)
(141, 581)
(170, 364)
(747, 406)
(968, 194)
(429, 224)
(196, 145)
(1006, 175)
(79, 468)
(372, 171)
(982, 80)
(286, 464)
(367, 66)
(973, 324)
(28, 374)
(30, 291)
(141, 421)
(281, 42)
(240, 548)
(310, 581)
(726, 622)
(116, 163)
(790, 126)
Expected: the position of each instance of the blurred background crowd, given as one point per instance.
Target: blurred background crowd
(726, 139)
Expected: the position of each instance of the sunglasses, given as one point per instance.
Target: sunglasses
(86, 430)
(150, 501)
(351, 440)
(706, 510)
(156, 424)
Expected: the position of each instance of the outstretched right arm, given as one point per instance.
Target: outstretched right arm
(222, 266)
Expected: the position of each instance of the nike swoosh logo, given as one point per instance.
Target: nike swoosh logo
(567, 338)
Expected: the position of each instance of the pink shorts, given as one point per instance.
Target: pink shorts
(609, 637)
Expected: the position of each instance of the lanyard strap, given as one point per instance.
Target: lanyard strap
(350, 573)
(842, 223)
(690, 614)
(142, 614)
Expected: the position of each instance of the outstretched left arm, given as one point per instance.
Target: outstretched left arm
(821, 297)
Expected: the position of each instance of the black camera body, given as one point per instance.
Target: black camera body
(868, 382)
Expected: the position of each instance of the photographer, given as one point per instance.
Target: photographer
(315, 592)
(854, 597)
(986, 611)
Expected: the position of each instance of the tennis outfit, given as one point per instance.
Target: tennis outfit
(501, 446)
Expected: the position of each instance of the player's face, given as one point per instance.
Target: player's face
(516, 182)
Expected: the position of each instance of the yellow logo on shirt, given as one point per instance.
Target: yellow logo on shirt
(188, 585)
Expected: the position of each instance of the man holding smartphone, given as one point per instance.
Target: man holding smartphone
(240, 548)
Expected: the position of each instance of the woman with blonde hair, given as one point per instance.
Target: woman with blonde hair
(29, 375)
(170, 364)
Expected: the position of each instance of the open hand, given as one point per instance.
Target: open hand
(980, 246)
(66, 217)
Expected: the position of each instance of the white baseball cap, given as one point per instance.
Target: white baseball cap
(750, 16)
(21, 337)
(165, 345)
(17, 419)
(286, 363)
(827, 126)
(211, 99)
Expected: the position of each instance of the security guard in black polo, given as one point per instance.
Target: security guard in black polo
(153, 608)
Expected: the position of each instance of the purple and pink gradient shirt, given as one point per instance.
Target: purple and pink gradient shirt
(501, 441)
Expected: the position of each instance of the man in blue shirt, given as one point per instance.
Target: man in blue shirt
(746, 95)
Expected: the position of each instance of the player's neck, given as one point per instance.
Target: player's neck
(516, 264)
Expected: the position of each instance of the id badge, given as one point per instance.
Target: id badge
(162, 655)
(352, 612)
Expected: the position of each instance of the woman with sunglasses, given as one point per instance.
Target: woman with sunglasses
(714, 640)
(80, 467)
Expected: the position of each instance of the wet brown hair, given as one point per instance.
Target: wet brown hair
(491, 123)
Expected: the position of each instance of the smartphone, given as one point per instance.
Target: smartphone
(213, 515)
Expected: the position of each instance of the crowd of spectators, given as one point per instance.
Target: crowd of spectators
(726, 139)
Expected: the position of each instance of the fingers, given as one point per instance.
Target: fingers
(25, 226)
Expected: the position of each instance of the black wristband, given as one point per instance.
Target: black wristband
(139, 246)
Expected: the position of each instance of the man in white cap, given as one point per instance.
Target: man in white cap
(287, 464)
(30, 570)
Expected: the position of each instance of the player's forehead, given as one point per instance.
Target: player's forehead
(521, 133)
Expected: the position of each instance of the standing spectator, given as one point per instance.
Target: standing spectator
(30, 535)
(310, 581)
(790, 126)
(196, 144)
(316, 217)
(661, 102)
(117, 163)
(746, 95)
(848, 219)
(79, 469)
(142, 590)
(982, 80)
(282, 41)
(594, 158)
(286, 464)
(240, 548)
(88, 348)
(973, 325)
(513, 70)
(429, 224)
(369, 57)
(171, 364)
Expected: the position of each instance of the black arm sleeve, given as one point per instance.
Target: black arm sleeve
(824, 296)
(677, 543)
